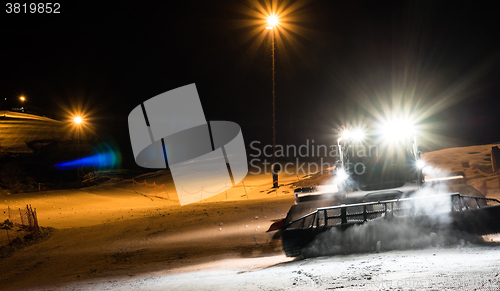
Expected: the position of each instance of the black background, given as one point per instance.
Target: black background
(443, 55)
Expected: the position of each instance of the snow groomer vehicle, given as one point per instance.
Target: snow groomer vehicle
(380, 176)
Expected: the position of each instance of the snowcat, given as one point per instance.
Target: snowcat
(380, 176)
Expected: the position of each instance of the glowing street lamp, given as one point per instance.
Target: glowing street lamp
(23, 99)
(272, 21)
(278, 17)
(78, 120)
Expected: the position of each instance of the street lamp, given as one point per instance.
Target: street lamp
(23, 99)
(280, 18)
(78, 120)
(273, 21)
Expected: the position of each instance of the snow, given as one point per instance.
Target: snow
(474, 161)
(18, 128)
(120, 237)
(12, 114)
(417, 270)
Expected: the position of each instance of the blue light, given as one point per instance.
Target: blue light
(98, 160)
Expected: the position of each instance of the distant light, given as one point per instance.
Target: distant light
(22, 98)
(77, 120)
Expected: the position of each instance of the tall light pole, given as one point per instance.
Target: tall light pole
(23, 99)
(272, 21)
(78, 121)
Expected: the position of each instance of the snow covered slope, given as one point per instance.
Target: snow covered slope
(18, 128)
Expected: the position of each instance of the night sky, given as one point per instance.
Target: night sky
(349, 59)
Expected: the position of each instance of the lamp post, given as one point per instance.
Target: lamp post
(23, 99)
(272, 21)
(78, 121)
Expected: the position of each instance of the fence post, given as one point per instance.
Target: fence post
(21, 215)
(35, 221)
(30, 226)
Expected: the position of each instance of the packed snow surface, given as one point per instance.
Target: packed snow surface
(123, 236)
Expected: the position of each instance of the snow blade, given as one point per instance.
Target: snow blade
(277, 225)
(475, 215)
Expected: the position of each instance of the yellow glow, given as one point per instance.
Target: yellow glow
(272, 20)
(282, 18)
(22, 98)
(77, 120)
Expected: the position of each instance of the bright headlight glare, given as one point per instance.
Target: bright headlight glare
(341, 175)
(355, 135)
(358, 135)
(346, 134)
(420, 164)
(397, 130)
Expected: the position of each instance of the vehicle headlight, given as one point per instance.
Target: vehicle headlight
(354, 135)
(345, 134)
(397, 130)
(420, 164)
(357, 135)
(341, 175)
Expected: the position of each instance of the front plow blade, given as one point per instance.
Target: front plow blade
(478, 216)
(474, 215)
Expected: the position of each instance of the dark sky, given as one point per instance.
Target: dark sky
(351, 58)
